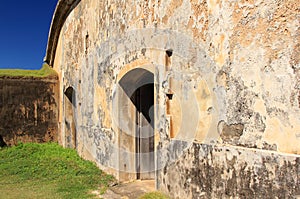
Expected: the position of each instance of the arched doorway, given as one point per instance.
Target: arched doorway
(136, 118)
(70, 128)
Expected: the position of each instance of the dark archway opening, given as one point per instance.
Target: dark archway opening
(2, 142)
(143, 100)
(70, 94)
(138, 85)
(70, 127)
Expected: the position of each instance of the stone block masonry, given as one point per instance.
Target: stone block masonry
(28, 109)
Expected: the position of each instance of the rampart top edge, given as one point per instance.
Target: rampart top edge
(62, 11)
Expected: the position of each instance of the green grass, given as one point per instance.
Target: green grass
(45, 71)
(154, 195)
(48, 171)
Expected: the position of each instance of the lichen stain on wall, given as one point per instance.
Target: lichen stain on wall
(267, 24)
(245, 39)
(198, 22)
(240, 59)
(226, 172)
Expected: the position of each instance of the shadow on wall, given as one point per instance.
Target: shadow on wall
(70, 94)
(2, 143)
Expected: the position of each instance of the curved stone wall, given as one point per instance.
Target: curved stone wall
(225, 73)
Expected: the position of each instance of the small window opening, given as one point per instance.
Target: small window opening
(170, 96)
(169, 52)
(70, 94)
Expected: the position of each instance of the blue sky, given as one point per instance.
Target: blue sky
(24, 28)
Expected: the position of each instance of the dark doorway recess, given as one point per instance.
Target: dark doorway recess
(70, 94)
(2, 142)
(138, 85)
(70, 127)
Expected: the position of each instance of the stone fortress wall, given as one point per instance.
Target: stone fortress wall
(225, 79)
(28, 109)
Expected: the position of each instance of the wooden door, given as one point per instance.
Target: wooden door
(144, 132)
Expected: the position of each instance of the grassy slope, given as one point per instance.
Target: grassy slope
(47, 171)
(43, 72)
(154, 195)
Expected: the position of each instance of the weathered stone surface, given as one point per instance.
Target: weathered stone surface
(28, 109)
(245, 51)
(61, 13)
(215, 171)
(232, 78)
(230, 133)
